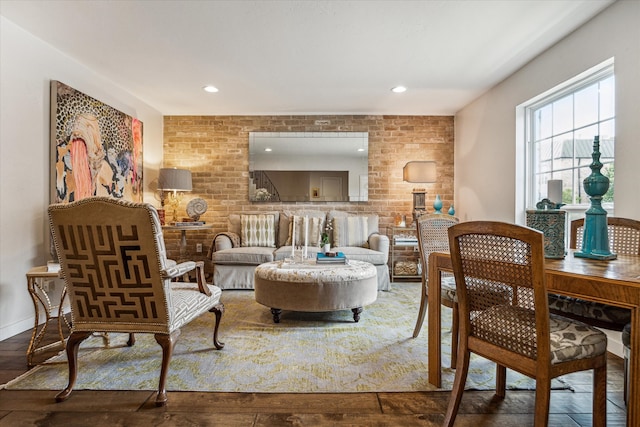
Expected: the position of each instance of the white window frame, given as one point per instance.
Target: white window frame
(524, 128)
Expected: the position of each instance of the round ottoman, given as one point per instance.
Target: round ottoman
(282, 285)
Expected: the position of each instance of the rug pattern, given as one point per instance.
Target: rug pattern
(304, 353)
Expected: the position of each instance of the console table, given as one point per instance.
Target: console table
(183, 232)
(35, 278)
(614, 282)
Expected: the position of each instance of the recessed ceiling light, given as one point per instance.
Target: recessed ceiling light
(268, 149)
(210, 89)
(360, 149)
(398, 89)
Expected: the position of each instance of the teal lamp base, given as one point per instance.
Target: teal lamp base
(595, 239)
(593, 255)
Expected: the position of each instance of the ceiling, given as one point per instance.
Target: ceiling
(303, 57)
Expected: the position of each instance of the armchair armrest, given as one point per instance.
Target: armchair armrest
(185, 267)
(224, 240)
(380, 242)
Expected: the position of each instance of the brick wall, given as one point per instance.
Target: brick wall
(215, 149)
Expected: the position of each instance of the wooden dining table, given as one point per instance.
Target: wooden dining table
(614, 282)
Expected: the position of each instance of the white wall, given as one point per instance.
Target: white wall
(27, 65)
(487, 172)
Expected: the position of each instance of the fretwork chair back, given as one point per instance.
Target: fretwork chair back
(113, 261)
(432, 231)
(519, 335)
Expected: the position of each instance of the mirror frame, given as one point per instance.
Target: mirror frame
(308, 166)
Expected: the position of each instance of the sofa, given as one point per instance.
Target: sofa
(255, 238)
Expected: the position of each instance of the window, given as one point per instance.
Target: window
(560, 129)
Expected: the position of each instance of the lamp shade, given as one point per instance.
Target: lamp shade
(172, 179)
(419, 172)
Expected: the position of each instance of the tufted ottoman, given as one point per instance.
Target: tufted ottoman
(309, 287)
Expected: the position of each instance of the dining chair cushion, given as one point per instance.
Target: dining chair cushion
(626, 335)
(607, 316)
(448, 288)
(569, 339)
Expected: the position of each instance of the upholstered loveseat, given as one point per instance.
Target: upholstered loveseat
(255, 238)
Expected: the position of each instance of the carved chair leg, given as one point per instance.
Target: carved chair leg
(72, 356)
(132, 339)
(167, 342)
(218, 310)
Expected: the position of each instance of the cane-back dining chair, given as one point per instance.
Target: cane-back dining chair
(433, 237)
(114, 265)
(624, 238)
(520, 335)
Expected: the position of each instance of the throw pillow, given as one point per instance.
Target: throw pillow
(257, 230)
(315, 228)
(350, 231)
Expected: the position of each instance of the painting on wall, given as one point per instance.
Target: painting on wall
(96, 149)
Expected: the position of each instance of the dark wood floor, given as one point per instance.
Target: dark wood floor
(136, 408)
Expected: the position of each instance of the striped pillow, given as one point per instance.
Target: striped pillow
(257, 230)
(350, 231)
(315, 229)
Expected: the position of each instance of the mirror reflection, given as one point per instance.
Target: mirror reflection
(308, 166)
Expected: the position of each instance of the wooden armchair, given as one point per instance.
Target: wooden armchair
(113, 261)
(521, 335)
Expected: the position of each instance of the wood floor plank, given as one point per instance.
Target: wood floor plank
(329, 420)
(272, 402)
(79, 401)
(112, 418)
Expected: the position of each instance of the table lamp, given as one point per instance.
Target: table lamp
(419, 172)
(173, 182)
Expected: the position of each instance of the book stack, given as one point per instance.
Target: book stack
(331, 258)
(189, 224)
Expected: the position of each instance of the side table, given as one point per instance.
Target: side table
(41, 299)
(402, 238)
(183, 232)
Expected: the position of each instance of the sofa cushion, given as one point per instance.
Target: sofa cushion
(234, 225)
(285, 219)
(362, 254)
(285, 252)
(372, 221)
(314, 228)
(350, 231)
(243, 256)
(257, 230)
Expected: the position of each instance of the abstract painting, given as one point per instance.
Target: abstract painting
(96, 149)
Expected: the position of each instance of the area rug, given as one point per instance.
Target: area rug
(304, 353)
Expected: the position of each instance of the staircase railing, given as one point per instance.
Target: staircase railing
(261, 180)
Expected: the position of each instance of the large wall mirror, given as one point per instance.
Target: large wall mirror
(308, 166)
